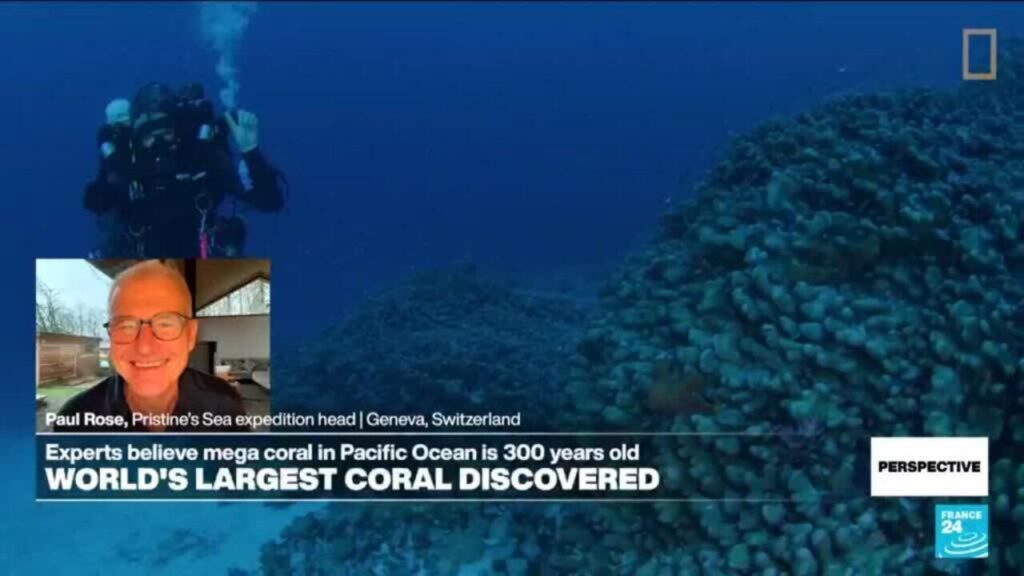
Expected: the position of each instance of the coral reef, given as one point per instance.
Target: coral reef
(450, 341)
(170, 546)
(853, 272)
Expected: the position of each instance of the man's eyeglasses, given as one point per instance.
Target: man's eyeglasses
(166, 326)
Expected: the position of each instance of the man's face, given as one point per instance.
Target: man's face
(150, 365)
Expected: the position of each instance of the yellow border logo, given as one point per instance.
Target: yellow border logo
(991, 33)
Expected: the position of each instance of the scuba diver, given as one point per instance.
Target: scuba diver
(166, 168)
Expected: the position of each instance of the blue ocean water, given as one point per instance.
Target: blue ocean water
(533, 140)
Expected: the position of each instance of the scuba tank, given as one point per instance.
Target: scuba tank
(115, 134)
(195, 115)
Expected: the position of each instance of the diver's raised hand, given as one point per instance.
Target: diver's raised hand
(135, 192)
(245, 128)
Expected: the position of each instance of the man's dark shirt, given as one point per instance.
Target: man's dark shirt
(198, 393)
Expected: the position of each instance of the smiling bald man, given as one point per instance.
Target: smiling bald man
(152, 332)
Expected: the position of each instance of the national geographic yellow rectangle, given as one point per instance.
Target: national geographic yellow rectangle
(967, 34)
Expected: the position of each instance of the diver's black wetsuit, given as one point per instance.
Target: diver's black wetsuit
(165, 221)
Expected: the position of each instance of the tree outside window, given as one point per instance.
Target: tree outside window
(251, 299)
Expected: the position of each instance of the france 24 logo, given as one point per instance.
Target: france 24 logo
(961, 531)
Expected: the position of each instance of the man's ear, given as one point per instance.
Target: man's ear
(192, 329)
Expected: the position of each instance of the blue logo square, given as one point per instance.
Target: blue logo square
(961, 531)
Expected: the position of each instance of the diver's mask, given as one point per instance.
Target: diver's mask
(155, 145)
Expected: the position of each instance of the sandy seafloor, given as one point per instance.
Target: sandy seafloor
(113, 538)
